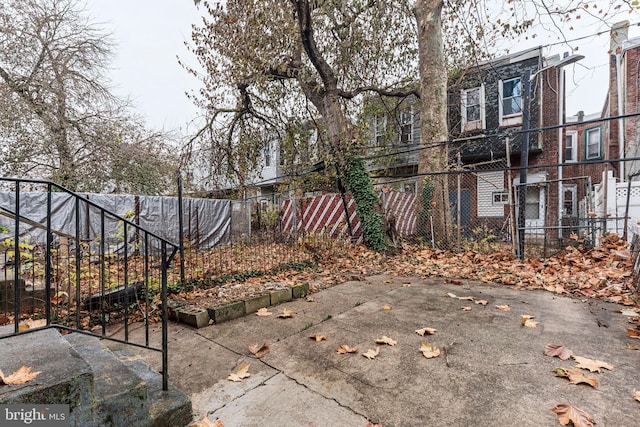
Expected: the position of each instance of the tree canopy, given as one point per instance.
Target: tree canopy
(58, 118)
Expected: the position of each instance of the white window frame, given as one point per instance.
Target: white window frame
(471, 125)
(573, 188)
(573, 136)
(406, 119)
(587, 133)
(509, 119)
(379, 129)
(267, 154)
(500, 198)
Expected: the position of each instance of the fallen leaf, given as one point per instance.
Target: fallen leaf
(388, 281)
(469, 298)
(503, 307)
(259, 350)
(633, 333)
(576, 376)
(636, 395)
(591, 364)
(450, 295)
(263, 312)
(310, 298)
(428, 350)
(370, 424)
(387, 307)
(240, 374)
(482, 301)
(631, 312)
(286, 314)
(426, 331)
(371, 353)
(318, 338)
(633, 346)
(21, 376)
(466, 308)
(569, 413)
(386, 340)
(528, 321)
(206, 423)
(557, 350)
(344, 349)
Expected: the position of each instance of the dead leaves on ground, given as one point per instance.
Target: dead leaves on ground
(503, 307)
(558, 351)
(241, 373)
(591, 364)
(206, 423)
(426, 331)
(429, 351)
(576, 376)
(263, 312)
(569, 413)
(528, 321)
(386, 340)
(345, 349)
(318, 338)
(286, 314)
(371, 353)
(259, 350)
(21, 376)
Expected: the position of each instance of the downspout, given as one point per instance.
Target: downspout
(560, 74)
(621, 129)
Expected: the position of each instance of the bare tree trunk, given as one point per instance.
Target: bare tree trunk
(434, 196)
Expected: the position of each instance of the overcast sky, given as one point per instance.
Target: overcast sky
(150, 33)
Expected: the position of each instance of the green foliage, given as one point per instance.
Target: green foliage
(357, 181)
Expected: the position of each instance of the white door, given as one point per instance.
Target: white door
(534, 209)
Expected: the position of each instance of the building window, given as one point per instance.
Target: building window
(571, 146)
(380, 128)
(593, 144)
(510, 105)
(532, 203)
(569, 196)
(267, 154)
(406, 126)
(500, 197)
(473, 110)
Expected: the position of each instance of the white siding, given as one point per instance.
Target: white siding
(489, 183)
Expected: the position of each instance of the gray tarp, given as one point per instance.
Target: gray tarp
(207, 222)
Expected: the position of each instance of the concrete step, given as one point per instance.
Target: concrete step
(102, 387)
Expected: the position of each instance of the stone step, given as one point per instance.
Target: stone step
(65, 377)
(102, 387)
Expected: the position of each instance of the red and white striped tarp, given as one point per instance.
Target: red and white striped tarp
(323, 215)
(403, 207)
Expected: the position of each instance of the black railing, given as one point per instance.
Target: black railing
(79, 268)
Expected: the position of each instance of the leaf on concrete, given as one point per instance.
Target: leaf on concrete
(240, 374)
(576, 376)
(259, 350)
(263, 312)
(466, 308)
(386, 340)
(636, 395)
(569, 413)
(344, 349)
(428, 350)
(633, 333)
(370, 424)
(469, 298)
(482, 302)
(450, 295)
(591, 364)
(286, 314)
(528, 321)
(318, 338)
(503, 307)
(21, 376)
(387, 307)
(558, 351)
(633, 346)
(426, 331)
(206, 423)
(630, 312)
(371, 353)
